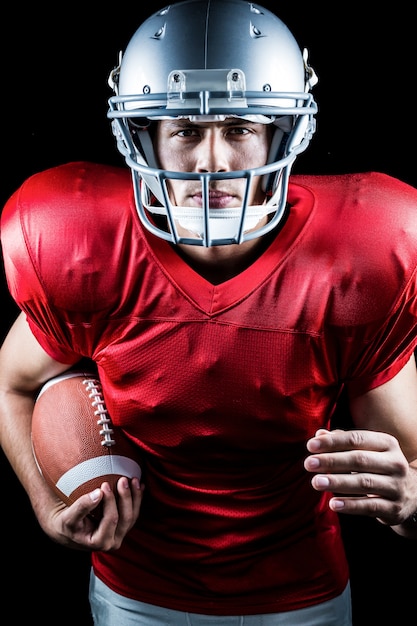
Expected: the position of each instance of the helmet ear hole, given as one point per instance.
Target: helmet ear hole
(268, 179)
(304, 128)
(142, 140)
(277, 147)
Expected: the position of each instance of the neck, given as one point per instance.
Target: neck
(218, 264)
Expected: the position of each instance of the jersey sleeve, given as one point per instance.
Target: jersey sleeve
(361, 295)
(386, 320)
(25, 284)
(390, 347)
(60, 268)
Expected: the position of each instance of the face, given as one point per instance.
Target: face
(232, 144)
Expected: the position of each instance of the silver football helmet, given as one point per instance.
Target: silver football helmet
(212, 58)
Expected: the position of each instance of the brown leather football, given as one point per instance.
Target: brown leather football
(75, 444)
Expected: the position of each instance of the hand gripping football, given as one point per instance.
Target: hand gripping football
(74, 443)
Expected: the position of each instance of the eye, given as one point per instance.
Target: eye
(188, 132)
(239, 130)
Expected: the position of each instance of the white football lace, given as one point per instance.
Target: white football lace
(93, 386)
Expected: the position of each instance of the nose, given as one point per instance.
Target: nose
(212, 152)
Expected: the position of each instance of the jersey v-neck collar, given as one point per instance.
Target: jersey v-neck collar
(213, 298)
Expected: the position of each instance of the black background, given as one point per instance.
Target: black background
(55, 64)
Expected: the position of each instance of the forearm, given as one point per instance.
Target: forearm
(15, 440)
(24, 367)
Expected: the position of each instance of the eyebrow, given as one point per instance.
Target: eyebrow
(230, 121)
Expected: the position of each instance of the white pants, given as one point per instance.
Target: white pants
(111, 609)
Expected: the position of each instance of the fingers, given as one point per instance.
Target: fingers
(391, 463)
(100, 520)
(340, 440)
(367, 470)
(128, 506)
(345, 452)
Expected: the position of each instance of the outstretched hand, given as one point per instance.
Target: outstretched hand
(366, 471)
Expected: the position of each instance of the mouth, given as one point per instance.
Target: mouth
(217, 199)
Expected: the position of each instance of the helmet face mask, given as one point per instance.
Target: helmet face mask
(238, 60)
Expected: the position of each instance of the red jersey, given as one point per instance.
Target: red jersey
(220, 386)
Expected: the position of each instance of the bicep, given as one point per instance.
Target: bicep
(391, 408)
(24, 364)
